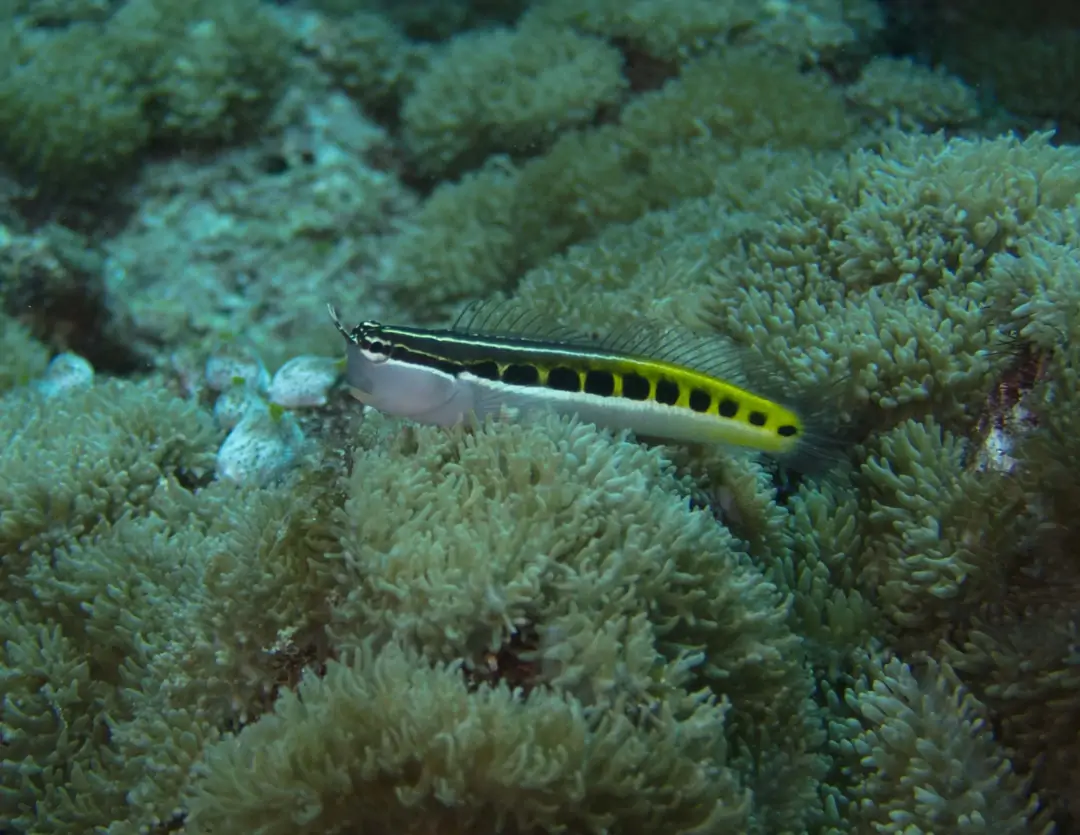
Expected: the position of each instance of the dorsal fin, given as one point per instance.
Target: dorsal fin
(510, 318)
(710, 354)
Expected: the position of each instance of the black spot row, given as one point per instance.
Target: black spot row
(521, 375)
(635, 387)
(564, 379)
(700, 400)
(486, 370)
(667, 392)
(600, 383)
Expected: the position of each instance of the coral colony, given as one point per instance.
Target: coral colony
(247, 589)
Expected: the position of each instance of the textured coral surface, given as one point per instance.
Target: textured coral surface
(233, 601)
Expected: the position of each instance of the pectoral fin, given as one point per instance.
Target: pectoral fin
(361, 395)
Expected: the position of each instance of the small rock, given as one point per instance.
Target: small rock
(66, 372)
(262, 446)
(232, 404)
(236, 367)
(304, 381)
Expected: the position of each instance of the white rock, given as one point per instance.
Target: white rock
(303, 381)
(65, 373)
(232, 404)
(236, 367)
(260, 447)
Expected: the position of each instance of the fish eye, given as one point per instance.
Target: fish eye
(371, 344)
(376, 349)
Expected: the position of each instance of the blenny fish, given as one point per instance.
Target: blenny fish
(501, 361)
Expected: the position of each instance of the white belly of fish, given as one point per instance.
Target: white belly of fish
(430, 396)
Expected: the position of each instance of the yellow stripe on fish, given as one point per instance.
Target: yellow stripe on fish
(499, 360)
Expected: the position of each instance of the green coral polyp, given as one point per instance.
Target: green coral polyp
(428, 767)
(78, 104)
(542, 627)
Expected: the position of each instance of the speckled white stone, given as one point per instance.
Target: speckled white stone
(262, 446)
(232, 404)
(65, 373)
(303, 381)
(232, 367)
